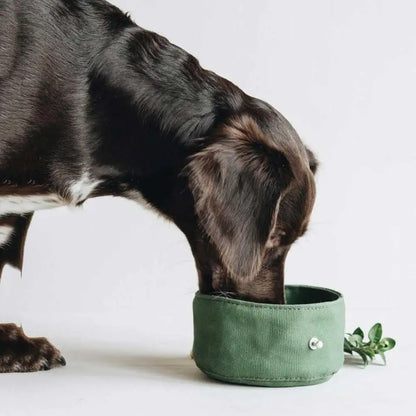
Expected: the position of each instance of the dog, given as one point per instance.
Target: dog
(92, 104)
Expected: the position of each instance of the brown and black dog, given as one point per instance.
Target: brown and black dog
(92, 104)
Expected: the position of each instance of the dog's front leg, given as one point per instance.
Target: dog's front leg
(19, 353)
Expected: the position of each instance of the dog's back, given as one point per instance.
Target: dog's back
(47, 47)
(81, 83)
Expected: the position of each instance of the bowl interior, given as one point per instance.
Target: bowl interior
(301, 295)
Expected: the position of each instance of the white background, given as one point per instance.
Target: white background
(111, 284)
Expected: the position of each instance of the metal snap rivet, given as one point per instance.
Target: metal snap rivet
(315, 343)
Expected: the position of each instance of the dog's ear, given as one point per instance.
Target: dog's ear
(237, 182)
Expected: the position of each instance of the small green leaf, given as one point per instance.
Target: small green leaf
(386, 344)
(375, 333)
(369, 351)
(355, 339)
(359, 332)
(363, 356)
(383, 357)
(347, 347)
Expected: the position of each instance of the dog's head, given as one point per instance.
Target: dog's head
(252, 190)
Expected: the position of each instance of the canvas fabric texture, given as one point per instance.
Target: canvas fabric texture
(270, 345)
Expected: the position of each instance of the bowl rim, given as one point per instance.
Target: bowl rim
(338, 297)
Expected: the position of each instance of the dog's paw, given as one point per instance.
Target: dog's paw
(19, 353)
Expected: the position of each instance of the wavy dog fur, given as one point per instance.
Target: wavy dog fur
(237, 182)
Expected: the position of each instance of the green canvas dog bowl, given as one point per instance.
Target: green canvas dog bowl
(299, 343)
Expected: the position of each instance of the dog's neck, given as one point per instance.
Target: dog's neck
(157, 109)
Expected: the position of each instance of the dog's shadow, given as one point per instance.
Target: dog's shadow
(122, 363)
(125, 364)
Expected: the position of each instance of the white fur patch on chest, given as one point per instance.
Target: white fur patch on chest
(76, 192)
(81, 189)
(22, 204)
(6, 232)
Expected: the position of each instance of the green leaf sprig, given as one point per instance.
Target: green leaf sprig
(367, 350)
